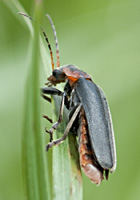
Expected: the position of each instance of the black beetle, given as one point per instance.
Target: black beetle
(89, 115)
(87, 106)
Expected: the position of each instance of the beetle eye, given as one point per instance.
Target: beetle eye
(55, 72)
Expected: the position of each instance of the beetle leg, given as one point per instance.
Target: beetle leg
(60, 140)
(46, 117)
(51, 136)
(56, 124)
(51, 91)
(51, 121)
(46, 98)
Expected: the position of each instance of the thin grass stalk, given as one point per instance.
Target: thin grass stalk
(34, 162)
(33, 150)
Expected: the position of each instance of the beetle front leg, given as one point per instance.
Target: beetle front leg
(53, 91)
(60, 140)
(50, 91)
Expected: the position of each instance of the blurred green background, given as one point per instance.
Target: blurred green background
(101, 38)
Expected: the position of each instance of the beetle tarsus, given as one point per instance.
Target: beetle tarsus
(48, 147)
(51, 135)
(54, 127)
(55, 142)
(46, 130)
(46, 117)
(47, 98)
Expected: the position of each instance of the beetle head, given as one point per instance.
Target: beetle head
(58, 76)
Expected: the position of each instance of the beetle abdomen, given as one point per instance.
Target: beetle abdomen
(87, 161)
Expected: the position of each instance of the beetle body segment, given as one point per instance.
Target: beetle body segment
(73, 74)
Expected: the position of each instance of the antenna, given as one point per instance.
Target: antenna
(56, 40)
(46, 38)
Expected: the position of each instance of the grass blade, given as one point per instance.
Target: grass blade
(34, 161)
(67, 181)
(34, 154)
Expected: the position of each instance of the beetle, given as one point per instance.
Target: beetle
(89, 116)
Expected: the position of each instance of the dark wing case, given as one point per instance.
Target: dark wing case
(99, 122)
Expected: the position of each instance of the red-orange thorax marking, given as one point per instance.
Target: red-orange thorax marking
(73, 74)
